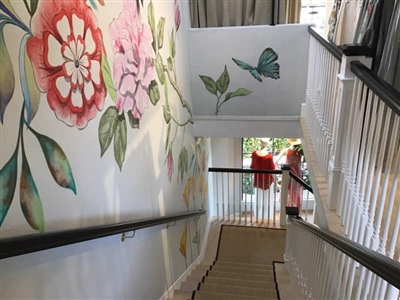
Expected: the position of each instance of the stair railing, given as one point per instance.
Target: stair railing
(328, 266)
(235, 197)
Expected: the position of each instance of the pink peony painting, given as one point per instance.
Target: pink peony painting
(133, 68)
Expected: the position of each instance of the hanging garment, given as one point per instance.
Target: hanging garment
(295, 190)
(266, 162)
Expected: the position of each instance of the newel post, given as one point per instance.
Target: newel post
(341, 122)
(284, 193)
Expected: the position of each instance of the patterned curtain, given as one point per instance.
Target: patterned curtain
(221, 13)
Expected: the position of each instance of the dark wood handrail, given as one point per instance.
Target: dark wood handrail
(380, 87)
(14, 246)
(331, 47)
(382, 266)
(301, 181)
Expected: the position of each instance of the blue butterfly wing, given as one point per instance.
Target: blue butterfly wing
(245, 66)
(267, 64)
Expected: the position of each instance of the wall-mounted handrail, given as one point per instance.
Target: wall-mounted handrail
(380, 87)
(301, 181)
(247, 171)
(382, 266)
(14, 246)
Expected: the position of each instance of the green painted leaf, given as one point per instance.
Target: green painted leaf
(168, 133)
(237, 93)
(160, 68)
(210, 84)
(170, 63)
(34, 5)
(7, 77)
(154, 92)
(182, 163)
(57, 162)
(8, 182)
(167, 114)
(120, 141)
(160, 32)
(107, 127)
(172, 45)
(133, 121)
(8, 5)
(223, 81)
(29, 197)
(152, 24)
(33, 89)
(106, 71)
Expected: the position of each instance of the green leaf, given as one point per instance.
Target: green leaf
(172, 45)
(154, 92)
(167, 114)
(106, 72)
(133, 121)
(160, 32)
(120, 141)
(34, 5)
(170, 63)
(237, 93)
(8, 182)
(210, 84)
(107, 127)
(152, 24)
(160, 68)
(223, 81)
(168, 133)
(33, 89)
(7, 78)
(31, 204)
(57, 162)
(182, 163)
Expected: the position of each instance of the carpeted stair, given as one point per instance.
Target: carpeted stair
(244, 268)
(226, 280)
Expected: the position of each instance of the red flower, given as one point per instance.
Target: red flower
(66, 50)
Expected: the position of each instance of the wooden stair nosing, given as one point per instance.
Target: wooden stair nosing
(234, 290)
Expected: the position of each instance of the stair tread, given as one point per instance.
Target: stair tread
(240, 282)
(235, 290)
(250, 265)
(202, 295)
(268, 277)
(241, 270)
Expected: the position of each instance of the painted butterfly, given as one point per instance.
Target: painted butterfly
(267, 65)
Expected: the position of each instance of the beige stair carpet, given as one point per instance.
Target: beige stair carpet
(243, 268)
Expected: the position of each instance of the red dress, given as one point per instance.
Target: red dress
(295, 189)
(266, 162)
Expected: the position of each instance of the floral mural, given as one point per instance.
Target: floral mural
(63, 60)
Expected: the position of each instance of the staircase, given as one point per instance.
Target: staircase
(227, 280)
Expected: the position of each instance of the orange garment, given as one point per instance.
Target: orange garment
(266, 162)
(295, 192)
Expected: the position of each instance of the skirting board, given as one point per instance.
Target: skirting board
(170, 292)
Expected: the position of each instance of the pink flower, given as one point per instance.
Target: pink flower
(133, 68)
(170, 164)
(177, 15)
(65, 51)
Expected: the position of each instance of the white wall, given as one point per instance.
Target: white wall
(140, 268)
(212, 48)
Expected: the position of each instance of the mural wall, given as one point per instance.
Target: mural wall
(264, 70)
(96, 118)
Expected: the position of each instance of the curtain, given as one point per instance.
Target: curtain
(389, 68)
(293, 9)
(220, 13)
(347, 19)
